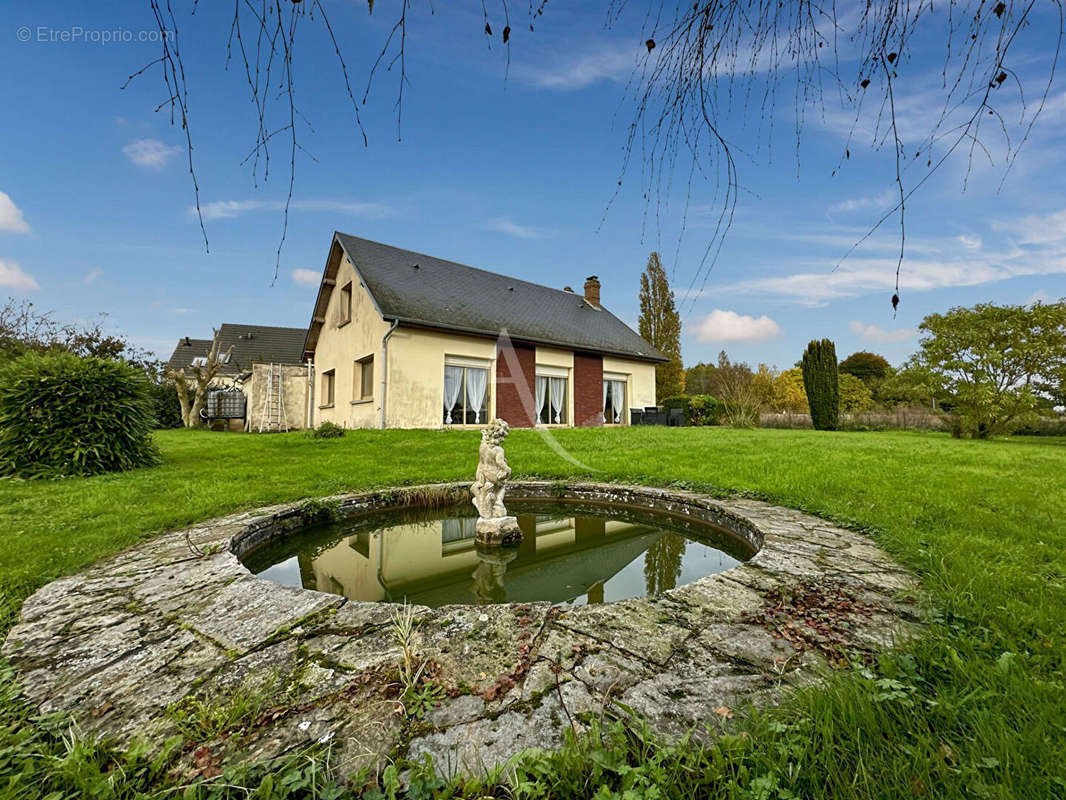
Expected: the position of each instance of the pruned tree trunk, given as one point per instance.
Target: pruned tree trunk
(201, 375)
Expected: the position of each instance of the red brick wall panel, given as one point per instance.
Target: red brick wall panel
(516, 366)
(588, 389)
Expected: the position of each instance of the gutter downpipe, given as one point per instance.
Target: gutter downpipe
(310, 393)
(385, 370)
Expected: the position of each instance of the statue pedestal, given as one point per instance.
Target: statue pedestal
(498, 530)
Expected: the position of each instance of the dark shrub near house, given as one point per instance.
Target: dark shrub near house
(700, 409)
(65, 415)
(327, 430)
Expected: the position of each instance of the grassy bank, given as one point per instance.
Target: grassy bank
(974, 710)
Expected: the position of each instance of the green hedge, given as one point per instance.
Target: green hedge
(700, 409)
(64, 415)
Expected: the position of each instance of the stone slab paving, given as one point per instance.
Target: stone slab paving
(167, 637)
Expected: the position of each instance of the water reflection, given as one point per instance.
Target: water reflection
(563, 558)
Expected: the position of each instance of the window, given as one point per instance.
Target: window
(466, 393)
(200, 361)
(328, 383)
(614, 401)
(363, 379)
(552, 400)
(346, 305)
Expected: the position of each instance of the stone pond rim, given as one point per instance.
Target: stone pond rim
(123, 644)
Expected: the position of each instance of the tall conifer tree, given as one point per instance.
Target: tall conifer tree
(660, 324)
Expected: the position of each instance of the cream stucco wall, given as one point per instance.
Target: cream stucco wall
(640, 385)
(340, 346)
(294, 397)
(416, 374)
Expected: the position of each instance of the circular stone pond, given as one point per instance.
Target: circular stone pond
(677, 605)
(571, 553)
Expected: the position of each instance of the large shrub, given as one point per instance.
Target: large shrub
(700, 409)
(855, 396)
(65, 415)
(166, 408)
(821, 381)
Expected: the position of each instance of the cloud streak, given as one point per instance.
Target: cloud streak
(874, 333)
(229, 209)
(511, 228)
(1036, 246)
(607, 62)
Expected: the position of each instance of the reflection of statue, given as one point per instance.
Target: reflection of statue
(488, 490)
(488, 575)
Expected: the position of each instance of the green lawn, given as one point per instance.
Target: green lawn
(976, 709)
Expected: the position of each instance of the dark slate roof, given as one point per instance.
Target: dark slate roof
(444, 294)
(186, 350)
(260, 344)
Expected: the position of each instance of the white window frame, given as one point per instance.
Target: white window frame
(470, 362)
(547, 371)
(358, 369)
(624, 378)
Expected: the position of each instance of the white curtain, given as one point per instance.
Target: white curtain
(453, 382)
(604, 414)
(618, 398)
(476, 382)
(542, 394)
(558, 386)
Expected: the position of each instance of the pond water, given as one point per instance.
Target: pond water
(570, 554)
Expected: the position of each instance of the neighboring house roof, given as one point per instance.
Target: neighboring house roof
(418, 289)
(261, 344)
(186, 350)
(252, 344)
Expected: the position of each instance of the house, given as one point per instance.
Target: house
(265, 364)
(400, 339)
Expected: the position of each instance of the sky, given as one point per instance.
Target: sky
(508, 159)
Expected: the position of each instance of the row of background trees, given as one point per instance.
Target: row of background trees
(26, 329)
(983, 371)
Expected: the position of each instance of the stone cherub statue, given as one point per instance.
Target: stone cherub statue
(488, 490)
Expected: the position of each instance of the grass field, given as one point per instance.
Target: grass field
(975, 709)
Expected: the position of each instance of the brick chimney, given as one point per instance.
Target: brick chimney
(592, 290)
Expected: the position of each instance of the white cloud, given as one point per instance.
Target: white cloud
(227, 209)
(306, 277)
(1037, 247)
(150, 153)
(879, 202)
(518, 231)
(729, 326)
(609, 61)
(91, 276)
(1041, 296)
(11, 216)
(1037, 230)
(873, 333)
(12, 276)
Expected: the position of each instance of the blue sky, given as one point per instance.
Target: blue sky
(506, 169)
